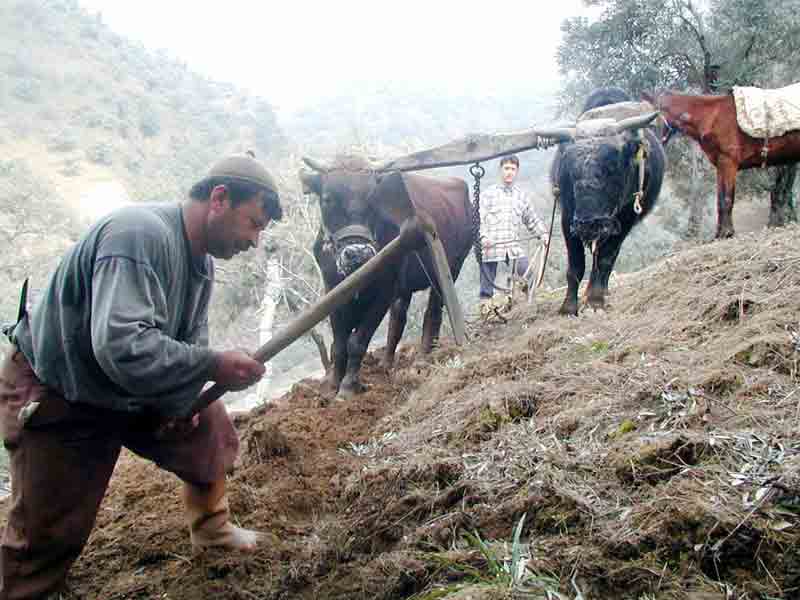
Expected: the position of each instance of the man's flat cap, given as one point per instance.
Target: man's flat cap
(244, 168)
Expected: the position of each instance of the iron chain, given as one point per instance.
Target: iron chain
(477, 171)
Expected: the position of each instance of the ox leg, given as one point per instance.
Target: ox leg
(397, 324)
(433, 321)
(726, 191)
(577, 265)
(602, 265)
(336, 371)
(357, 345)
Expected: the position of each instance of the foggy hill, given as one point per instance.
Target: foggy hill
(89, 118)
(392, 118)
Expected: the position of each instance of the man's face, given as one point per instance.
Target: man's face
(233, 230)
(508, 172)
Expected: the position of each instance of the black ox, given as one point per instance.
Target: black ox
(596, 175)
(355, 225)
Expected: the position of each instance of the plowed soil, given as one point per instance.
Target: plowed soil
(650, 451)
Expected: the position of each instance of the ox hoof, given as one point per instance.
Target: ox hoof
(569, 309)
(347, 392)
(597, 305)
(429, 348)
(328, 389)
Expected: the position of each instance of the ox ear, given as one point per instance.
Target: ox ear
(630, 146)
(311, 182)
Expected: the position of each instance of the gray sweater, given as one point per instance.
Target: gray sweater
(123, 323)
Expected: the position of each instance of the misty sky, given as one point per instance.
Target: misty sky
(293, 52)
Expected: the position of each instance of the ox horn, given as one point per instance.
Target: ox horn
(636, 122)
(561, 134)
(316, 165)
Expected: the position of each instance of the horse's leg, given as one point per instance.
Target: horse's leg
(726, 190)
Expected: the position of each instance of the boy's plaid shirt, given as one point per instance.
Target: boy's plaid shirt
(503, 210)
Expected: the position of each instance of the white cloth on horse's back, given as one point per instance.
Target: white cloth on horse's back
(767, 113)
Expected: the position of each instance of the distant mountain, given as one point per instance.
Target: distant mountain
(392, 118)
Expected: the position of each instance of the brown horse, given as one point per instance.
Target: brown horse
(711, 121)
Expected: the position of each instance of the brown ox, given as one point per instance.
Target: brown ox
(358, 217)
(711, 121)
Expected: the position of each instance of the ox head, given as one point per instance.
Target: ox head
(598, 170)
(347, 200)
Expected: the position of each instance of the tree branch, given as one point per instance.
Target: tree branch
(315, 335)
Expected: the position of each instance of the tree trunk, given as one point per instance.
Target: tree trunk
(272, 294)
(782, 208)
(694, 228)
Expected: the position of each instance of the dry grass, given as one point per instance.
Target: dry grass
(666, 428)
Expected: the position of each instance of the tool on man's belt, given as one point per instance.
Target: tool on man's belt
(22, 311)
(26, 412)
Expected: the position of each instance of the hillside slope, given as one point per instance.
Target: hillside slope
(89, 119)
(90, 104)
(654, 451)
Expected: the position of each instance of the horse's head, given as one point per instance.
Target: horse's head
(675, 115)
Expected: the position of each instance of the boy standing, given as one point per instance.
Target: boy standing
(503, 208)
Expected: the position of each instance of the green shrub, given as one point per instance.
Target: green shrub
(149, 124)
(63, 141)
(100, 154)
(71, 168)
(27, 90)
(8, 167)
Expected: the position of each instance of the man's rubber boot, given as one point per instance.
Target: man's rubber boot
(209, 520)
